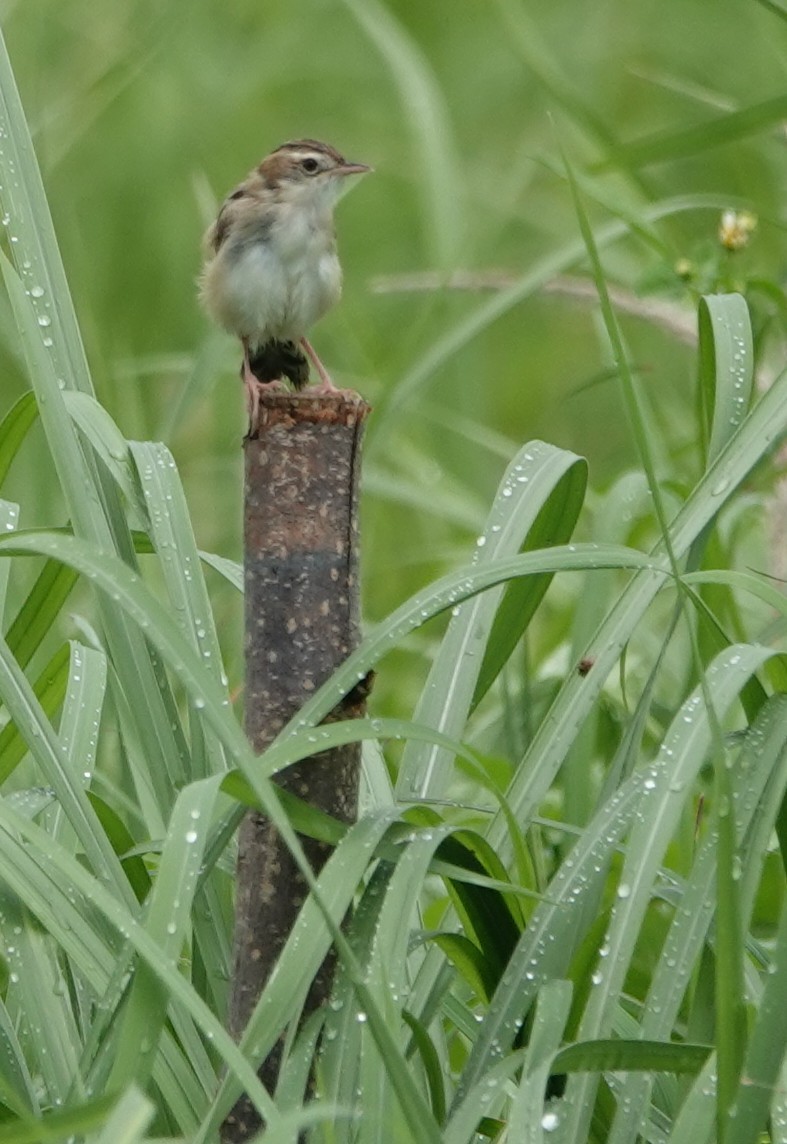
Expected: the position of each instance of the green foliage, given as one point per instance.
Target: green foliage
(566, 891)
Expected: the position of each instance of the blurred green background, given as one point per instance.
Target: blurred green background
(146, 113)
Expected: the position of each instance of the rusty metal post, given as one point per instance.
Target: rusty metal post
(302, 609)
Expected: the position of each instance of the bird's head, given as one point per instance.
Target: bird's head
(309, 172)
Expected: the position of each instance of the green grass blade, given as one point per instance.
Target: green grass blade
(34, 244)
(167, 923)
(726, 363)
(577, 696)
(618, 1055)
(53, 882)
(49, 689)
(9, 519)
(17, 1090)
(553, 525)
(555, 929)
(541, 485)
(47, 750)
(41, 606)
(748, 1112)
(430, 124)
(694, 1124)
(387, 974)
(56, 362)
(528, 1120)
(100, 431)
(128, 1120)
(666, 146)
(340, 1053)
(64, 1124)
(38, 996)
(14, 429)
(84, 700)
(763, 763)
(282, 997)
(665, 784)
(484, 1101)
(730, 1008)
(173, 537)
(431, 1063)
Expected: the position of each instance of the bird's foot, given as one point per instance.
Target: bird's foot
(254, 388)
(328, 389)
(325, 386)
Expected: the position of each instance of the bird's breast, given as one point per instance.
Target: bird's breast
(276, 284)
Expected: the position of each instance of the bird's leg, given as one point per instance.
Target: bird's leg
(254, 388)
(326, 384)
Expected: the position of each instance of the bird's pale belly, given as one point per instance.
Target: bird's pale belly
(266, 297)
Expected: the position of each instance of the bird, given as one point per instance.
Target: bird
(271, 268)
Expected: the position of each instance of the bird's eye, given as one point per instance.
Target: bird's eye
(310, 166)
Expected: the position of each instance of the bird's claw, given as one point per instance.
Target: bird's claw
(254, 388)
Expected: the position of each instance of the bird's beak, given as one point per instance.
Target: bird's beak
(353, 169)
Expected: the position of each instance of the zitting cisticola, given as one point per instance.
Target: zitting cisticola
(271, 267)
